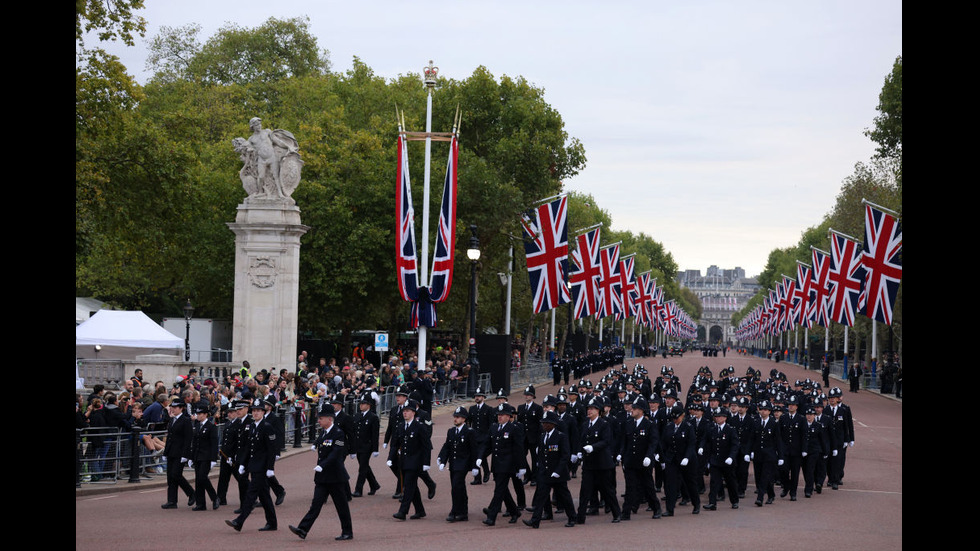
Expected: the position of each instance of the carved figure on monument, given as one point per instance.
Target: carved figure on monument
(271, 162)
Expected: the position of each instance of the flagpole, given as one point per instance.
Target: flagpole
(583, 230)
(546, 199)
(553, 328)
(430, 84)
(510, 273)
(879, 207)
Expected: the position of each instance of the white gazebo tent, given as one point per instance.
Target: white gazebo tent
(122, 335)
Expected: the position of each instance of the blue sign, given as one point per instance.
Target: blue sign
(381, 342)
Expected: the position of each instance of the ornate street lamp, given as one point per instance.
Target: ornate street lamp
(473, 253)
(188, 315)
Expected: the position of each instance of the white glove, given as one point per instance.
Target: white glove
(475, 472)
(521, 473)
(388, 462)
(228, 461)
(574, 458)
(684, 462)
(555, 475)
(374, 454)
(588, 448)
(479, 462)
(384, 446)
(183, 460)
(190, 463)
(318, 469)
(353, 456)
(656, 457)
(213, 464)
(852, 443)
(619, 458)
(277, 458)
(747, 458)
(804, 454)
(425, 468)
(241, 469)
(752, 455)
(646, 461)
(780, 463)
(270, 473)
(313, 448)
(835, 453)
(442, 466)
(700, 451)
(728, 461)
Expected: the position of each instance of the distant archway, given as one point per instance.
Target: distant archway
(702, 333)
(716, 334)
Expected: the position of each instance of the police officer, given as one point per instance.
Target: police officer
(330, 478)
(367, 428)
(766, 453)
(276, 423)
(396, 419)
(258, 461)
(529, 417)
(459, 453)
(204, 455)
(678, 446)
(598, 467)
(506, 443)
(553, 460)
(641, 443)
(722, 446)
(177, 450)
(480, 418)
(791, 429)
(230, 437)
(412, 448)
(815, 448)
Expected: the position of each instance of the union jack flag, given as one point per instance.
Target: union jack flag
(584, 280)
(821, 274)
(546, 248)
(789, 291)
(406, 261)
(882, 259)
(610, 291)
(627, 282)
(643, 290)
(804, 295)
(442, 262)
(845, 278)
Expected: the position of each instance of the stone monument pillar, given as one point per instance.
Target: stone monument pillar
(267, 240)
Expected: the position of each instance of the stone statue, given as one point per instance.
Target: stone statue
(271, 160)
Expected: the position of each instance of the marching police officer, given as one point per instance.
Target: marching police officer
(230, 437)
(553, 460)
(412, 448)
(366, 428)
(722, 446)
(641, 443)
(330, 478)
(767, 453)
(506, 443)
(598, 467)
(459, 452)
(177, 450)
(204, 454)
(258, 461)
(678, 444)
(480, 418)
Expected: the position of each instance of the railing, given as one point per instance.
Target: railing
(530, 372)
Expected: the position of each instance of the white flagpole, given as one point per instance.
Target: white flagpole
(510, 272)
(553, 328)
(430, 84)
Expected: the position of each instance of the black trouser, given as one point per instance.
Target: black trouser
(809, 471)
(364, 472)
(542, 492)
(175, 479)
(639, 488)
(202, 483)
(741, 474)
(532, 446)
(426, 479)
(677, 477)
(791, 474)
(659, 479)
(519, 495)
(258, 488)
(486, 464)
(726, 473)
(275, 486)
(821, 469)
(396, 469)
(602, 480)
(765, 475)
(501, 495)
(411, 495)
(461, 505)
(224, 479)
(321, 492)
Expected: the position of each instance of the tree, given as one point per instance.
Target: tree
(112, 19)
(887, 131)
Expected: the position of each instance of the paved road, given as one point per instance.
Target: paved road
(866, 513)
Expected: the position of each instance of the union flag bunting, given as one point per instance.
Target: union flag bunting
(546, 248)
(610, 292)
(882, 260)
(845, 278)
(584, 279)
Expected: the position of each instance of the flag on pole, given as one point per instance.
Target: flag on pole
(546, 249)
(804, 295)
(406, 261)
(610, 292)
(845, 278)
(882, 260)
(584, 278)
(821, 274)
(627, 282)
(442, 262)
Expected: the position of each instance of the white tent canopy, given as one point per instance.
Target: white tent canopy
(125, 329)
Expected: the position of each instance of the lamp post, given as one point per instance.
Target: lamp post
(473, 253)
(188, 315)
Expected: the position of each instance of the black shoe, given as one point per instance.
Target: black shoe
(280, 498)
(534, 483)
(769, 501)
(486, 511)
(191, 501)
(489, 522)
(758, 502)
(783, 493)
(741, 495)
(399, 516)
(486, 478)
(528, 509)
(268, 528)
(734, 505)
(374, 490)
(649, 508)
(505, 514)
(667, 514)
(684, 502)
(298, 532)
(462, 518)
(570, 524)
(514, 518)
(531, 523)
(199, 508)
(833, 486)
(356, 494)
(615, 520)
(451, 518)
(808, 494)
(169, 506)
(234, 524)
(237, 511)
(344, 537)
(432, 490)
(396, 496)
(222, 501)
(592, 512)
(792, 498)
(658, 514)
(624, 516)
(696, 510)
(818, 488)
(215, 504)
(417, 516)
(548, 517)
(710, 507)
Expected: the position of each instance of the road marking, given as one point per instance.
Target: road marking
(152, 491)
(862, 424)
(874, 492)
(101, 497)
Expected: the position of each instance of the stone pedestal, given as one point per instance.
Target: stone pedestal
(267, 241)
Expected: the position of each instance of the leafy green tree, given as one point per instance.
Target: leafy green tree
(111, 19)
(887, 131)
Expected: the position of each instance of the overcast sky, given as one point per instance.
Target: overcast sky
(722, 129)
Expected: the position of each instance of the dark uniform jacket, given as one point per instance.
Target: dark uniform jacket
(261, 448)
(367, 428)
(600, 437)
(639, 442)
(179, 434)
(460, 450)
(506, 445)
(722, 446)
(553, 456)
(204, 442)
(767, 443)
(330, 451)
(411, 446)
(678, 442)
